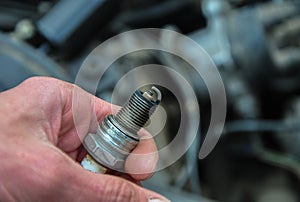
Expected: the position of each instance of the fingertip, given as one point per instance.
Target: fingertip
(141, 163)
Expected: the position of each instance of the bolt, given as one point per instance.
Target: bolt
(117, 134)
(24, 29)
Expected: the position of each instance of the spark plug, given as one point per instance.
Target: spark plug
(116, 135)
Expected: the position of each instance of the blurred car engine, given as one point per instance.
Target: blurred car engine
(254, 43)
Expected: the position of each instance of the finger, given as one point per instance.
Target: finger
(96, 187)
(83, 111)
(125, 176)
(56, 177)
(141, 163)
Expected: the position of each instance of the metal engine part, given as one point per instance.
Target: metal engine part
(117, 134)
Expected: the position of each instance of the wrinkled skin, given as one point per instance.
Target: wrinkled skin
(40, 148)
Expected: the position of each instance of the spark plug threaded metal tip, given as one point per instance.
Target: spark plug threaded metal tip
(136, 112)
(117, 135)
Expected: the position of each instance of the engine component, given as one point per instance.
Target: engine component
(64, 33)
(117, 135)
(21, 61)
(273, 34)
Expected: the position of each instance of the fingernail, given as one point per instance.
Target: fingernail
(158, 200)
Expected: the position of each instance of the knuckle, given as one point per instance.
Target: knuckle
(44, 90)
(120, 190)
(41, 83)
(36, 79)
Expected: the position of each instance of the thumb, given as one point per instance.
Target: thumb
(98, 187)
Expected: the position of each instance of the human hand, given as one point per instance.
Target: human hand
(39, 147)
